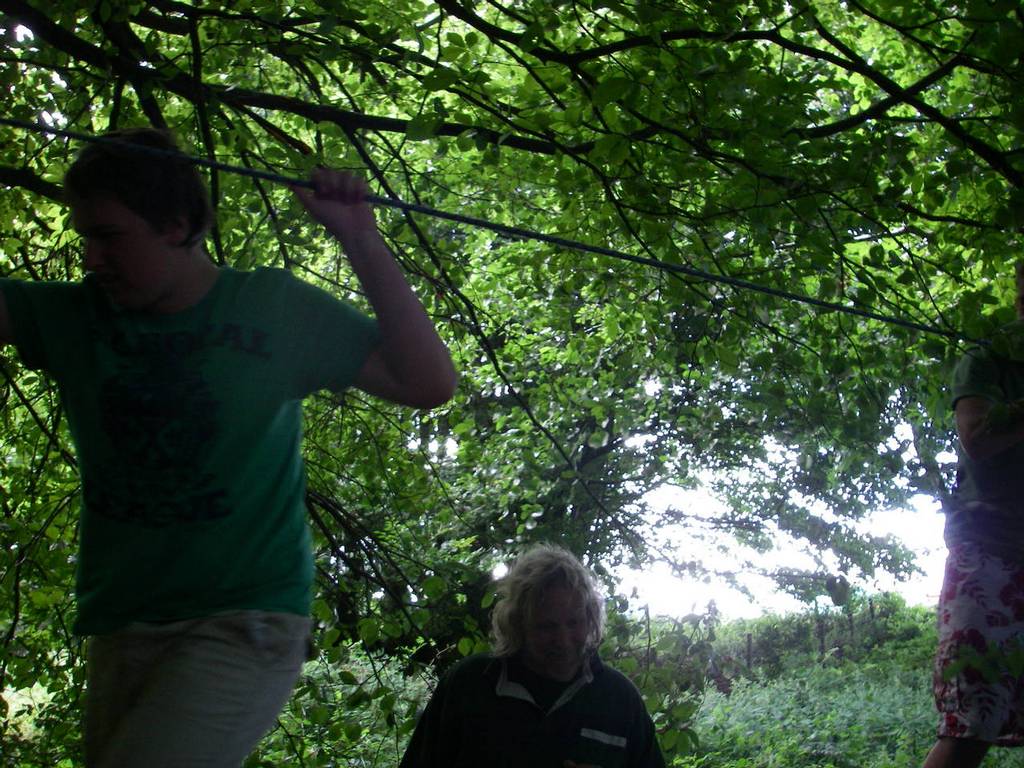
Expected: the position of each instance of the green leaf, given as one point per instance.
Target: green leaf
(422, 128)
(438, 80)
(611, 89)
(434, 587)
(322, 611)
(369, 631)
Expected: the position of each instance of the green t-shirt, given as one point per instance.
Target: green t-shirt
(988, 501)
(188, 429)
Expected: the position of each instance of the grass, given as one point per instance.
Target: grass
(845, 715)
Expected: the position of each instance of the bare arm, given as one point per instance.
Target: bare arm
(985, 428)
(411, 365)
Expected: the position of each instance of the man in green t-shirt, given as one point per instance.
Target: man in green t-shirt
(979, 690)
(182, 383)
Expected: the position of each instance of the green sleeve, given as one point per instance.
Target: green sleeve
(329, 339)
(977, 375)
(47, 320)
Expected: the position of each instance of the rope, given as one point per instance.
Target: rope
(517, 233)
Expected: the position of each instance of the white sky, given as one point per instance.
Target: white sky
(919, 528)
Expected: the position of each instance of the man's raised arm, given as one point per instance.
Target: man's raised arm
(411, 365)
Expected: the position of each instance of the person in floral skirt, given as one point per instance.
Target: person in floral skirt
(979, 666)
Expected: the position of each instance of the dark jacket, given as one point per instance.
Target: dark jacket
(478, 717)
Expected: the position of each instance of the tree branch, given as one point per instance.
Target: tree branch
(27, 179)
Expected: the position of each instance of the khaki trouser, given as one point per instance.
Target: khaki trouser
(200, 692)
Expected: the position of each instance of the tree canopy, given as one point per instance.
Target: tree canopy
(864, 155)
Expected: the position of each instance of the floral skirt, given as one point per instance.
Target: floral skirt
(979, 667)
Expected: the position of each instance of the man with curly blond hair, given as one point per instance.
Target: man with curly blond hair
(542, 697)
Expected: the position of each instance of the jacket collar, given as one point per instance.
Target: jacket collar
(510, 689)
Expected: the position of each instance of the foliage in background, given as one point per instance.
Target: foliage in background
(862, 153)
(845, 716)
(865, 628)
(868, 707)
